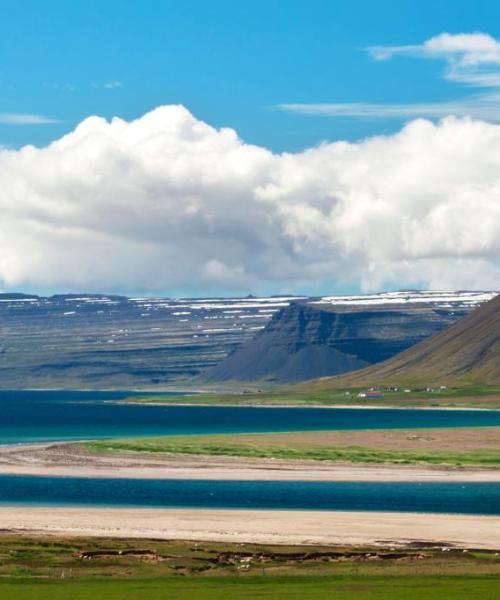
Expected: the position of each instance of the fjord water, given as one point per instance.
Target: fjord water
(28, 416)
(466, 498)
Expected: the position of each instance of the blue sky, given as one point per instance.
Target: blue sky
(157, 202)
(230, 62)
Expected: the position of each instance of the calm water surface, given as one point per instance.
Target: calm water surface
(45, 416)
(466, 498)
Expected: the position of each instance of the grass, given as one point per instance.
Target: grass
(466, 396)
(270, 588)
(57, 568)
(220, 446)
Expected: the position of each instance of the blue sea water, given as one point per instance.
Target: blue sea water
(27, 416)
(68, 415)
(465, 498)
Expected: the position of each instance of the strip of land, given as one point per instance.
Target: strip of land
(454, 454)
(257, 526)
(468, 396)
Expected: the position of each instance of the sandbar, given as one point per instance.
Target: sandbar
(383, 529)
(72, 460)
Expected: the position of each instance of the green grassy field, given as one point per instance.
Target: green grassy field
(250, 588)
(217, 447)
(468, 396)
(58, 568)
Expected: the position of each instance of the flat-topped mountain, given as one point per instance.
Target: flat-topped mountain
(106, 341)
(327, 336)
(466, 352)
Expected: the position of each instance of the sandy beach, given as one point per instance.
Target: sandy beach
(252, 526)
(71, 460)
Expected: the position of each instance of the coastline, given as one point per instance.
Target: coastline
(383, 529)
(70, 460)
(322, 406)
(264, 473)
(192, 393)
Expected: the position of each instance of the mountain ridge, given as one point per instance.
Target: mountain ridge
(327, 336)
(467, 352)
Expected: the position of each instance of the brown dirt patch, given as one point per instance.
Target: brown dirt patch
(460, 439)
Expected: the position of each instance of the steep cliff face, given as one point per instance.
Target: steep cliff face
(297, 344)
(467, 352)
(312, 339)
(103, 341)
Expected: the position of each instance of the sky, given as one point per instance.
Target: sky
(233, 147)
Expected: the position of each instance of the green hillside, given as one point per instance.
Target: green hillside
(467, 353)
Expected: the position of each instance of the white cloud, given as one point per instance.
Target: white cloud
(112, 85)
(168, 202)
(481, 106)
(464, 49)
(471, 59)
(25, 119)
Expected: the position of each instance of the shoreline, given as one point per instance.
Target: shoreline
(71, 460)
(322, 406)
(209, 473)
(237, 394)
(384, 529)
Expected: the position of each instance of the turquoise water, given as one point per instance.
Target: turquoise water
(466, 498)
(45, 416)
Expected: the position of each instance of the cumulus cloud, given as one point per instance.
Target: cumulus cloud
(167, 202)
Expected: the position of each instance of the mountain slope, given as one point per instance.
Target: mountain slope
(103, 341)
(466, 352)
(329, 336)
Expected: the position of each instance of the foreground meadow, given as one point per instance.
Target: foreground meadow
(276, 588)
(60, 568)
